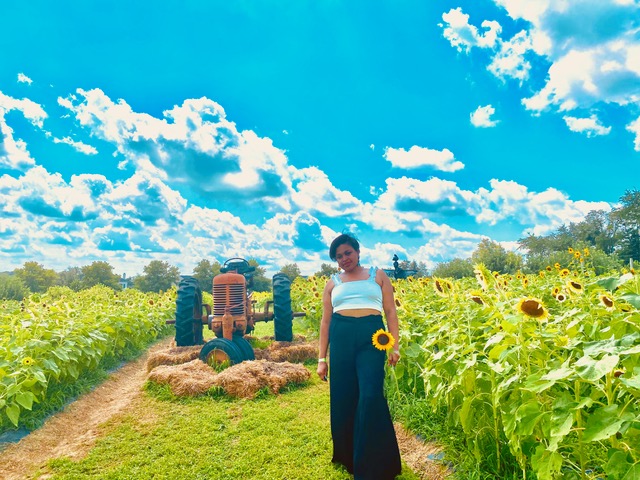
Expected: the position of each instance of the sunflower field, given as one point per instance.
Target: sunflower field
(538, 370)
(54, 338)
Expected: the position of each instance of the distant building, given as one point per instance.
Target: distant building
(125, 282)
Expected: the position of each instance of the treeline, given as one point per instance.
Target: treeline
(606, 241)
(157, 276)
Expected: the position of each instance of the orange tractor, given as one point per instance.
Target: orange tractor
(233, 313)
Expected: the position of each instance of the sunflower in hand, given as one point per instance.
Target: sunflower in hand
(383, 340)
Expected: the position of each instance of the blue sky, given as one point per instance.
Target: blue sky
(176, 131)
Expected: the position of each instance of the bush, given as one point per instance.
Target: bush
(12, 288)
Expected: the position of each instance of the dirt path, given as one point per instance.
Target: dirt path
(73, 432)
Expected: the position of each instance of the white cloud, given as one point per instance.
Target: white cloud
(510, 61)
(22, 78)
(31, 110)
(464, 36)
(592, 47)
(481, 117)
(590, 126)
(539, 212)
(412, 205)
(193, 144)
(79, 146)
(420, 157)
(634, 127)
(314, 192)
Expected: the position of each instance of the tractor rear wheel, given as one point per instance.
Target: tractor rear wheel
(219, 351)
(283, 315)
(188, 313)
(244, 346)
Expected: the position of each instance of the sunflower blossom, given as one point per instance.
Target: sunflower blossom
(383, 340)
(532, 307)
(575, 287)
(28, 361)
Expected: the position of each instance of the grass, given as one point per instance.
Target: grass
(285, 436)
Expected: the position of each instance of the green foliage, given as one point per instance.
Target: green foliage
(540, 372)
(157, 276)
(12, 288)
(204, 272)
(456, 268)
(53, 339)
(260, 282)
(628, 217)
(35, 277)
(71, 277)
(291, 270)
(496, 258)
(99, 273)
(326, 270)
(419, 268)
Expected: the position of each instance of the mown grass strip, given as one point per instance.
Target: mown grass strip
(272, 437)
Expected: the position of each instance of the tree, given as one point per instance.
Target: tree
(326, 270)
(12, 288)
(99, 273)
(157, 276)
(597, 229)
(204, 272)
(496, 258)
(71, 277)
(260, 282)
(35, 277)
(291, 270)
(420, 268)
(456, 268)
(628, 218)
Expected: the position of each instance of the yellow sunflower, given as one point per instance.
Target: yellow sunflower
(555, 291)
(570, 250)
(564, 272)
(383, 340)
(561, 297)
(548, 268)
(532, 307)
(606, 301)
(557, 266)
(577, 254)
(575, 287)
(481, 278)
(442, 287)
(28, 361)
(476, 296)
(586, 251)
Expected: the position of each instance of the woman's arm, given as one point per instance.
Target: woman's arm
(390, 313)
(327, 310)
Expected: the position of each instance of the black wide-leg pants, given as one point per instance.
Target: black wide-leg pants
(364, 440)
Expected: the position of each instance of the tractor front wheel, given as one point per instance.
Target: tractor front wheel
(244, 346)
(220, 351)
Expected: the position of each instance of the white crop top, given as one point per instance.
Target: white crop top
(356, 294)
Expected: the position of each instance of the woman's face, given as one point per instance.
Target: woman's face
(347, 257)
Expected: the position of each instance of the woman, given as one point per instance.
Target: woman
(364, 440)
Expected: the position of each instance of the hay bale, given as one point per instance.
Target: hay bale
(288, 352)
(186, 379)
(246, 379)
(173, 356)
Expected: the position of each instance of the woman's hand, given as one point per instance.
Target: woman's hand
(322, 371)
(394, 356)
